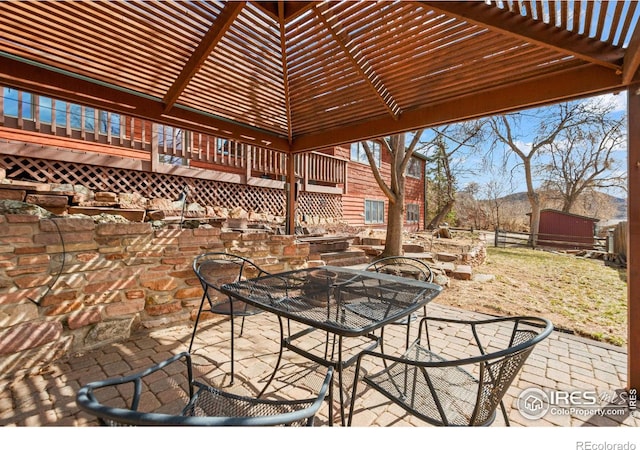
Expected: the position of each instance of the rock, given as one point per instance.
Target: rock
(446, 257)
(483, 278)
(441, 280)
(16, 207)
(155, 215)
(219, 211)
(442, 232)
(132, 215)
(13, 194)
(132, 201)
(160, 203)
(462, 272)
(109, 218)
(106, 197)
(111, 331)
(238, 213)
(195, 209)
(191, 224)
(53, 201)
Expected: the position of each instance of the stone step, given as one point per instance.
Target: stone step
(133, 215)
(348, 262)
(344, 258)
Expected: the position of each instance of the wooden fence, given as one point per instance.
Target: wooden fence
(505, 239)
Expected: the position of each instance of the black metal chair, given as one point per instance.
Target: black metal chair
(452, 391)
(213, 270)
(121, 401)
(403, 266)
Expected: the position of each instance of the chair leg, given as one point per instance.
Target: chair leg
(242, 326)
(232, 348)
(504, 413)
(195, 325)
(408, 332)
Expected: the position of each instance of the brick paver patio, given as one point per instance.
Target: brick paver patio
(562, 362)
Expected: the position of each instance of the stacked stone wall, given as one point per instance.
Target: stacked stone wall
(68, 284)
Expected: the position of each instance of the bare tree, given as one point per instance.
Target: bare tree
(583, 158)
(470, 211)
(512, 131)
(446, 153)
(460, 134)
(495, 191)
(395, 190)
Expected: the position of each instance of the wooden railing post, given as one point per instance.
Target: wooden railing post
(290, 192)
(248, 163)
(155, 155)
(1, 105)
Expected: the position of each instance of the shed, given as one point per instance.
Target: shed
(565, 230)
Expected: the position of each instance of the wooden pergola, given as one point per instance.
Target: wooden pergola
(300, 76)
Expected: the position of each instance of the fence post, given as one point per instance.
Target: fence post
(495, 239)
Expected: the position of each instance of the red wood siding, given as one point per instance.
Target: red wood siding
(361, 186)
(563, 230)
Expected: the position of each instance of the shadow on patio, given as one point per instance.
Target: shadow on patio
(562, 363)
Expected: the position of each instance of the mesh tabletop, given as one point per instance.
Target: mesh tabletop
(344, 301)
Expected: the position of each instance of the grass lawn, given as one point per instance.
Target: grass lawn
(584, 296)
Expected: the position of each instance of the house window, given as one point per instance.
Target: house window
(359, 155)
(414, 168)
(413, 213)
(373, 211)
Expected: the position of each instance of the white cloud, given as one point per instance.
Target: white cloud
(619, 101)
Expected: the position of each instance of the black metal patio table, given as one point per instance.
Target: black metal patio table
(341, 301)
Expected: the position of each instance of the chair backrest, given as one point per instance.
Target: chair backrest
(498, 367)
(403, 266)
(496, 376)
(217, 268)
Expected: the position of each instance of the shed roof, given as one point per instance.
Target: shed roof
(297, 76)
(577, 216)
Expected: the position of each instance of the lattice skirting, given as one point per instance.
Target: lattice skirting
(155, 185)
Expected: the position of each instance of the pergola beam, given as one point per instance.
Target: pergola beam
(285, 69)
(201, 53)
(631, 58)
(582, 81)
(533, 31)
(46, 81)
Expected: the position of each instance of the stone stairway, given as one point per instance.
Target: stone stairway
(350, 257)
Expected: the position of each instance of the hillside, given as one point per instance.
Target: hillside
(513, 209)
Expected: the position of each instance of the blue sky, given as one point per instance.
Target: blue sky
(472, 170)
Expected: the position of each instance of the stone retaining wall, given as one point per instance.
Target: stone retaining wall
(69, 285)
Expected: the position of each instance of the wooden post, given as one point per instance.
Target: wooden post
(2, 105)
(633, 241)
(290, 194)
(155, 154)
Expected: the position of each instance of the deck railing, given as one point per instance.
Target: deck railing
(30, 112)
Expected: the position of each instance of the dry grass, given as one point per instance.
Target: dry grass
(584, 296)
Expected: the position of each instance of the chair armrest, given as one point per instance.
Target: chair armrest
(208, 406)
(87, 401)
(544, 326)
